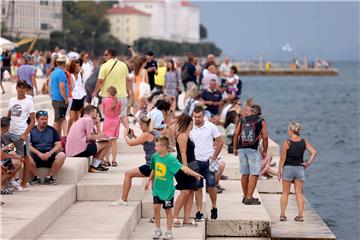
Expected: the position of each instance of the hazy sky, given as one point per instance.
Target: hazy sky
(320, 29)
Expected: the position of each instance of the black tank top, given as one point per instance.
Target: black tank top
(190, 151)
(295, 153)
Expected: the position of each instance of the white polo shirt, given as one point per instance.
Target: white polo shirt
(203, 138)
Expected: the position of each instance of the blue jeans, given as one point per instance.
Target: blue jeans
(208, 176)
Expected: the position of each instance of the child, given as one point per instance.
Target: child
(111, 108)
(164, 166)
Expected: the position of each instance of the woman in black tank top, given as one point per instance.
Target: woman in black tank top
(291, 169)
(186, 184)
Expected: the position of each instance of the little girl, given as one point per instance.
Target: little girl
(111, 108)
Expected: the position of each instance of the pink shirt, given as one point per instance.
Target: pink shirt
(76, 141)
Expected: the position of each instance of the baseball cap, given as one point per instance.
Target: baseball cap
(61, 58)
(27, 56)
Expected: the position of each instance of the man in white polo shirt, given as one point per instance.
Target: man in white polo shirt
(204, 134)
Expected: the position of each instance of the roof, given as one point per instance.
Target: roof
(185, 3)
(126, 10)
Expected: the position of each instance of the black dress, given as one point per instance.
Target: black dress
(184, 181)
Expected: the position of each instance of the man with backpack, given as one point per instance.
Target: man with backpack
(188, 72)
(246, 142)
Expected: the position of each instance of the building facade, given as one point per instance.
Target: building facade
(128, 24)
(31, 18)
(172, 20)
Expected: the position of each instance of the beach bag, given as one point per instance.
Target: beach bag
(145, 90)
(248, 132)
(214, 165)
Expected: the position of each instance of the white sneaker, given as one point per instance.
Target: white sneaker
(21, 189)
(119, 202)
(157, 234)
(168, 236)
(13, 184)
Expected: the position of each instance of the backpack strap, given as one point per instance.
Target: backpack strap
(110, 69)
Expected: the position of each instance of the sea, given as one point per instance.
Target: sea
(328, 109)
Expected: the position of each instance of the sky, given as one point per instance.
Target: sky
(328, 30)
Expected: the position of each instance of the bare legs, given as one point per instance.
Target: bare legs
(299, 196)
(284, 196)
(102, 149)
(57, 164)
(113, 150)
(199, 197)
(248, 183)
(129, 175)
(185, 199)
(74, 116)
(169, 217)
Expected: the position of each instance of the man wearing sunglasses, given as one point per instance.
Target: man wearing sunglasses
(46, 149)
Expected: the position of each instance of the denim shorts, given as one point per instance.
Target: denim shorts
(208, 176)
(291, 173)
(250, 161)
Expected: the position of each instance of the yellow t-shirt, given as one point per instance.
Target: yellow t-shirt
(160, 76)
(117, 77)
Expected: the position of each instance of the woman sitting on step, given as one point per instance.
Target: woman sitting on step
(291, 169)
(147, 139)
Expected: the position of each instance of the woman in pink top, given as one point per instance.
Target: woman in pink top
(111, 108)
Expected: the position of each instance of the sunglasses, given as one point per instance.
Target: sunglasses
(41, 113)
(106, 54)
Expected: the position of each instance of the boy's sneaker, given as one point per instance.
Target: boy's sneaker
(214, 213)
(157, 234)
(199, 217)
(50, 181)
(35, 180)
(13, 184)
(168, 236)
(119, 202)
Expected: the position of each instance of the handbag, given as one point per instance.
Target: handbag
(194, 166)
(144, 90)
(214, 165)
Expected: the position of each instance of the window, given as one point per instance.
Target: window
(44, 3)
(44, 26)
(57, 15)
(3, 10)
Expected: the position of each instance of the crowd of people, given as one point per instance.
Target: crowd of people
(91, 100)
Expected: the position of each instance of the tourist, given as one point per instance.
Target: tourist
(188, 72)
(114, 73)
(246, 142)
(209, 75)
(90, 83)
(232, 83)
(203, 134)
(59, 92)
(111, 126)
(163, 168)
(6, 66)
(225, 70)
(78, 91)
(232, 119)
(147, 140)
(159, 113)
(160, 76)
(172, 83)
(291, 169)
(10, 161)
(212, 99)
(81, 140)
(45, 149)
(26, 72)
(141, 77)
(21, 108)
(151, 68)
(210, 60)
(187, 185)
(87, 66)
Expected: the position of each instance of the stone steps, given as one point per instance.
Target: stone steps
(145, 230)
(94, 220)
(236, 219)
(25, 215)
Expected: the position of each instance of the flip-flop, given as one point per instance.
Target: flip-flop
(177, 223)
(106, 164)
(192, 223)
(299, 219)
(114, 164)
(283, 218)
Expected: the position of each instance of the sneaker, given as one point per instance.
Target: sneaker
(50, 181)
(21, 189)
(35, 180)
(157, 234)
(252, 201)
(199, 217)
(101, 168)
(168, 236)
(119, 202)
(214, 213)
(13, 184)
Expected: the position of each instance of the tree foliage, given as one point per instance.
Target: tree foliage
(203, 32)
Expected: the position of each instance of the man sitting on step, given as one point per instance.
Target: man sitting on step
(45, 148)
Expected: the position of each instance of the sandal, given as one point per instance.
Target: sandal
(114, 164)
(192, 223)
(6, 191)
(283, 218)
(299, 218)
(106, 164)
(177, 223)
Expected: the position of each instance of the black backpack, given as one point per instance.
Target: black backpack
(248, 132)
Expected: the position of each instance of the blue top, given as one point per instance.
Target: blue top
(58, 76)
(44, 140)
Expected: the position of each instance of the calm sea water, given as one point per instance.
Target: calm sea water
(328, 108)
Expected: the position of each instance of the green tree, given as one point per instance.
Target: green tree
(203, 32)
